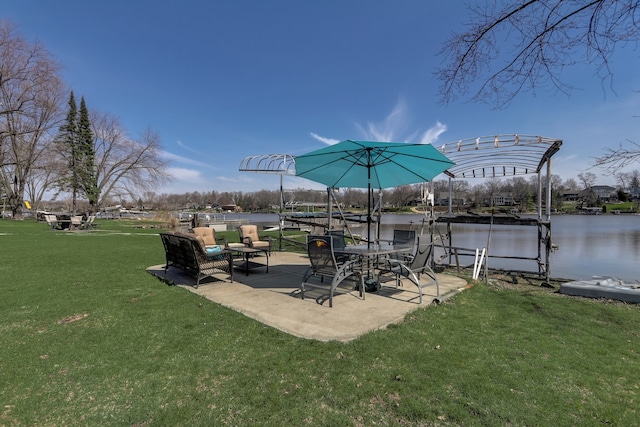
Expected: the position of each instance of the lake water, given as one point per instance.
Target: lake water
(588, 245)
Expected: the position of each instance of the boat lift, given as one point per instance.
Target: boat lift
(493, 157)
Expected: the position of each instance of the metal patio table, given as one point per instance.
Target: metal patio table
(246, 252)
(371, 252)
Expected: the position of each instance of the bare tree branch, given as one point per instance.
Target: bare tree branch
(30, 99)
(615, 159)
(125, 166)
(545, 36)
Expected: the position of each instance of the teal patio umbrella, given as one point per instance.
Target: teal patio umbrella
(368, 164)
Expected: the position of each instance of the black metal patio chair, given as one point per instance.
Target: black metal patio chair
(324, 265)
(413, 269)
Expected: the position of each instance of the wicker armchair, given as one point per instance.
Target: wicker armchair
(249, 236)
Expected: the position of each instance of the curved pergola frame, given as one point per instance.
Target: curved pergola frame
(276, 164)
(279, 164)
(499, 155)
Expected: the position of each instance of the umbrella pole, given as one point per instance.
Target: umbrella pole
(379, 222)
(369, 165)
(329, 206)
(280, 218)
(368, 281)
(369, 216)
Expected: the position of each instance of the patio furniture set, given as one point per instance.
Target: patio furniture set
(358, 164)
(370, 165)
(368, 267)
(70, 222)
(333, 263)
(200, 254)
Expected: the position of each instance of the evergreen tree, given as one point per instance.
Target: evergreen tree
(77, 145)
(68, 141)
(87, 178)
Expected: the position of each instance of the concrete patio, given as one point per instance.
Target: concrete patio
(274, 299)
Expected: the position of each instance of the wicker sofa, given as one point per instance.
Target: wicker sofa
(185, 251)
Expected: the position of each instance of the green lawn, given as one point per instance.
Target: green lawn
(89, 338)
(621, 206)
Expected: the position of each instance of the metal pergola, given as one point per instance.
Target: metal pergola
(499, 156)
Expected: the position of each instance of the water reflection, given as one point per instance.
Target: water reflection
(588, 245)
(606, 245)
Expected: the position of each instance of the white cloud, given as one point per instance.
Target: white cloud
(328, 141)
(241, 179)
(392, 128)
(299, 182)
(389, 128)
(185, 180)
(184, 160)
(195, 175)
(431, 135)
(183, 174)
(186, 147)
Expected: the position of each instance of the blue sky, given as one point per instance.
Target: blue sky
(222, 80)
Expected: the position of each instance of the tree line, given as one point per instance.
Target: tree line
(522, 190)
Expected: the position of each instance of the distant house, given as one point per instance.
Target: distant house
(443, 200)
(570, 196)
(606, 193)
(231, 208)
(503, 199)
(633, 192)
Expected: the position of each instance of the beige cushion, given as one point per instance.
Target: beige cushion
(207, 234)
(250, 231)
(201, 241)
